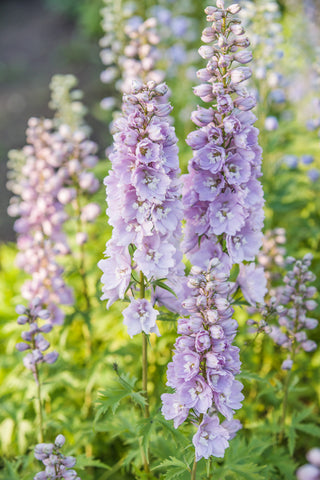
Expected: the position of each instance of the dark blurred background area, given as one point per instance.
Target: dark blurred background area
(39, 38)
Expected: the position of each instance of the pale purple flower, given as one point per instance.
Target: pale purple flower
(139, 317)
(210, 439)
(253, 283)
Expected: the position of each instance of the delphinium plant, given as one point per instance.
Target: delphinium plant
(145, 210)
(51, 171)
(223, 202)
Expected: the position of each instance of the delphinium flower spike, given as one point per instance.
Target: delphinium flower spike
(290, 305)
(144, 207)
(34, 342)
(40, 226)
(262, 19)
(78, 155)
(223, 197)
(57, 465)
(205, 363)
(129, 50)
(223, 202)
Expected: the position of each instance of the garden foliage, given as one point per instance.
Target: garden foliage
(205, 363)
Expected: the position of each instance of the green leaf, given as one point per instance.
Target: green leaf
(291, 434)
(111, 398)
(246, 375)
(168, 317)
(309, 428)
(160, 284)
(174, 468)
(249, 471)
(83, 462)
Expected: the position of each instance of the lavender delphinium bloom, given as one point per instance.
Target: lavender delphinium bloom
(310, 471)
(144, 207)
(34, 342)
(291, 305)
(53, 173)
(40, 237)
(205, 363)
(57, 465)
(222, 196)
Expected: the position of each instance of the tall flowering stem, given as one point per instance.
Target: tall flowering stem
(223, 204)
(290, 305)
(145, 210)
(35, 344)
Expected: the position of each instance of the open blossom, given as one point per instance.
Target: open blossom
(222, 195)
(57, 465)
(205, 363)
(310, 471)
(34, 342)
(144, 206)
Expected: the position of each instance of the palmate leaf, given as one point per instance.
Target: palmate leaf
(83, 462)
(279, 461)
(309, 428)
(247, 375)
(121, 389)
(249, 471)
(174, 468)
(291, 434)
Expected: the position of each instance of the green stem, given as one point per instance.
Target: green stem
(194, 468)
(144, 368)
(41, 435)
(284, 406)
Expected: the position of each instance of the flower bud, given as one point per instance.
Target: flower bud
(59, 441)
(234, 8)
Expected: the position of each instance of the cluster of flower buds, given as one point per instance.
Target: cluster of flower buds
(128, 50)
(57, 465)
(33, 340)
(177, 28)
(140, 54)
(144, 207)
(262, 20)
(205, 363)
(112, 42)
(291, 305)
(223, 197)
(78, 156)
(66, 101)
(310, 471)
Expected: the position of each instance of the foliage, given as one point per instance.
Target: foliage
(94, 395)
